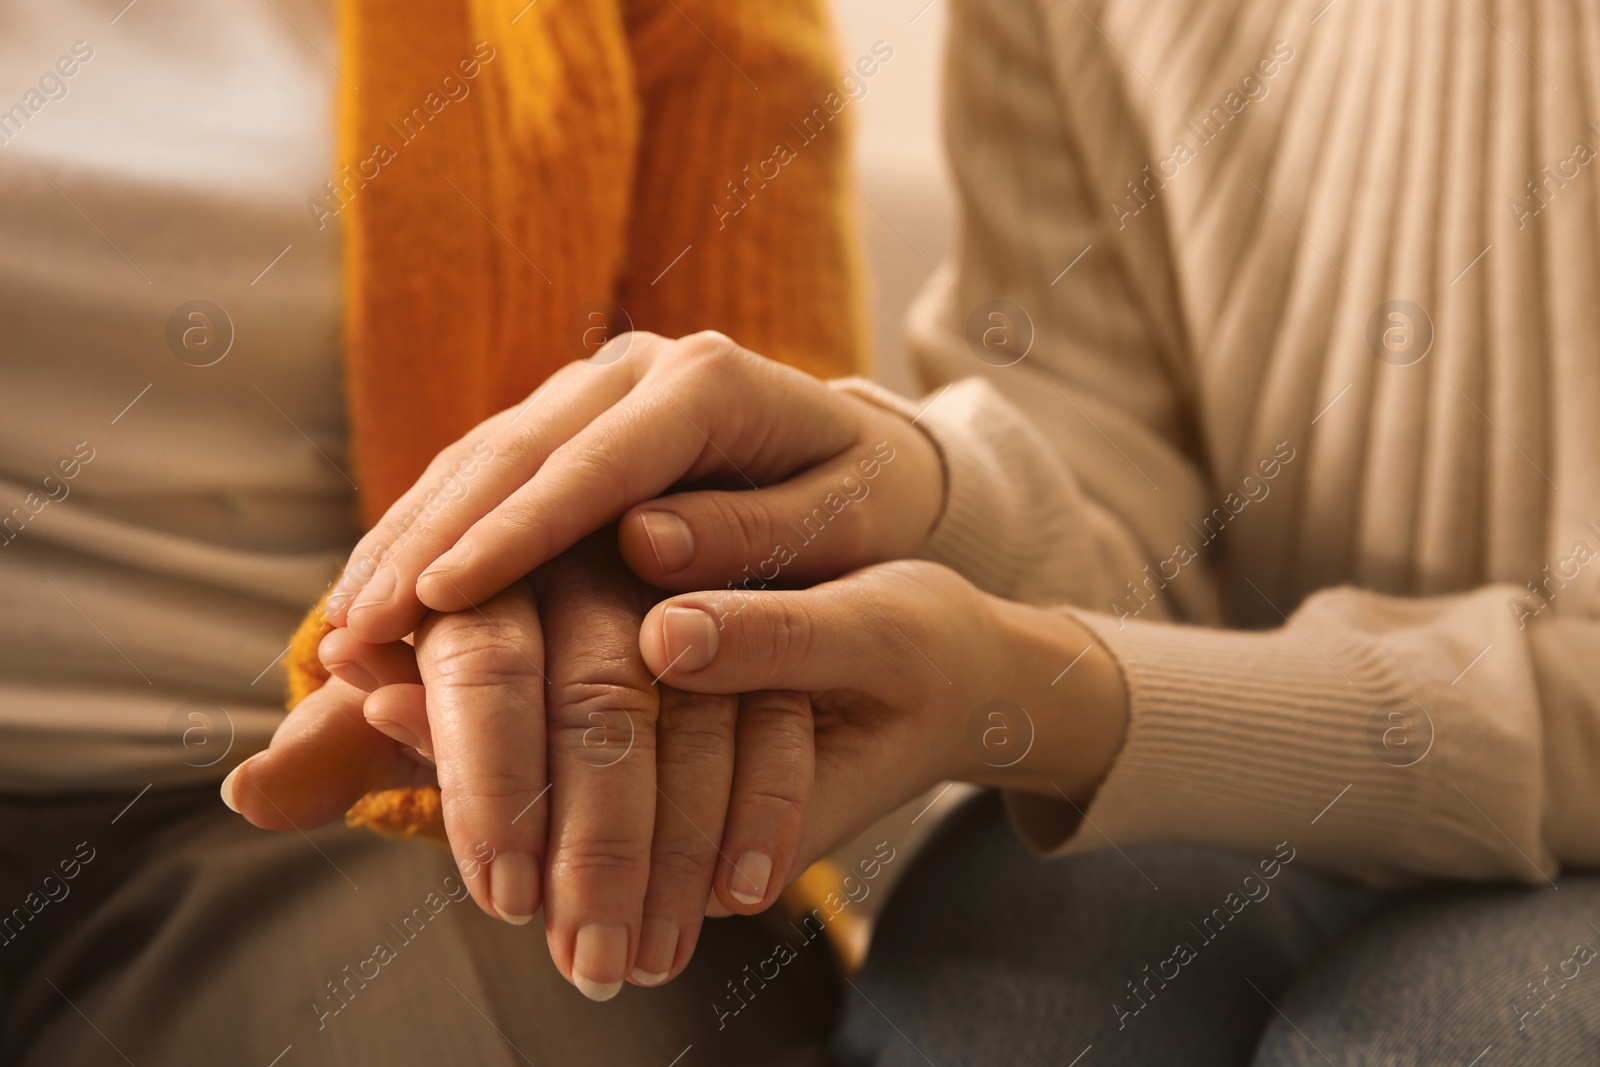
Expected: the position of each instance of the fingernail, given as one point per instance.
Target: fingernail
(353, 673)
(658, 947)
(600, 959)
(449, 563)
(230, 782)
(750, 877)
(691, 638)
(379, 590)
(336, 603)
(396, 732)
(671, 539)
(514, 888)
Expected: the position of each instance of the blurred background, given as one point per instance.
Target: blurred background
(904, 204)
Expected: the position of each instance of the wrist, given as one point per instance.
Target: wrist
(1059, 695)
(914, 492)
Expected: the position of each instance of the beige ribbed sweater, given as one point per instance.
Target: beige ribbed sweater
(1336, 643)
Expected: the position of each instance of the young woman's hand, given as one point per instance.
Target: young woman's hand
(915, 677)
(772, 456)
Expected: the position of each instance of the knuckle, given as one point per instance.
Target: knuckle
(707, 357)
(479, 654)
(598, 650)
(785, 736)
(709, 350)
(643, 348)
(591, 456)
(463, 791)
(682, 859)
(789, 631)
(910, 593)
(577, 710)
(694, 740)
(577, 698)
(775, 804)
(916, 576)
(520, 524)
(597, 462)
(518, 448)
(747, 526)
(600, 856)
(788, 711)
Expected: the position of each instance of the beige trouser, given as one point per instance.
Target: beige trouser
(185, 936)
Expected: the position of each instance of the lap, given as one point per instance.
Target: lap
(987, 954)
(1452, 974)
(189, 937)
(192, 938)
(990, 955)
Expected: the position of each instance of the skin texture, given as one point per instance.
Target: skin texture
(877, 675)
(636, 763)
(750, 445)
(634, 831)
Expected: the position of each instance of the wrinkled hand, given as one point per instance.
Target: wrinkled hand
(600, 443)
(619, 806)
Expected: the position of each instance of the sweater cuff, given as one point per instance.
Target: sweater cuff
(1012, 510)
(1240, 740)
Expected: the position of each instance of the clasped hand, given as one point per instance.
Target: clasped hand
(632, 760)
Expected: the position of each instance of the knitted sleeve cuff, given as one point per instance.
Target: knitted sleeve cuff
(1013, 522)
(1314, 734)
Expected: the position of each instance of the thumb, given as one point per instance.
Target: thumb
(818, 524)
(869, 631)
(323, 758)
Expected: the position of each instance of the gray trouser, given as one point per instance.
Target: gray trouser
(987, 955)
(184, 936)
(178, 935)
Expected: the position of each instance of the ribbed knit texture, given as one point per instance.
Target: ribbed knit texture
(593, 150)
(1241, 734)
(1214, 327)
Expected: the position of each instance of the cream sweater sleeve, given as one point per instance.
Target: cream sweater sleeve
(1387, 738)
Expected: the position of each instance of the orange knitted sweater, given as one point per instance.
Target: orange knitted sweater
(507, 166)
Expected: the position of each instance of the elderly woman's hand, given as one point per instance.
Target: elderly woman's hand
(792, 721)
(602, 440)
(621, 807)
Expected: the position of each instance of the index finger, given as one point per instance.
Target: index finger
(322, 759)
(712, 408)
(463, 483)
